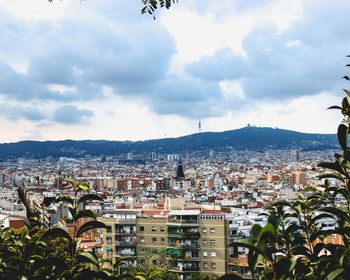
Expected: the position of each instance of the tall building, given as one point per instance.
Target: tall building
(197, 240)
(213, 242)
(119, 237)
(295, 154)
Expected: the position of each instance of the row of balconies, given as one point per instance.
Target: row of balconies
(183, 221)
(184, 246)
(126, 243)
(185, 234)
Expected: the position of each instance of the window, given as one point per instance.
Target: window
(162, 240)
(142, 239)
(109, 240)
(205, 241)
(154, 229)
(213, 265)
(212, 242)
(212, 230)
(109, 229)
(213, 254)
(162, 229)
(205, 254)
(154, 240)
(142, 228)
(204, 230)
(142, 250)
(205, 265)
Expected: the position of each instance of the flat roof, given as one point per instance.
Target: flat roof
(184, 212)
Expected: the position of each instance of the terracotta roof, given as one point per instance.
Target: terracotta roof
(212, 212)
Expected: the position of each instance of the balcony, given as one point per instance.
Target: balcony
(188, 259)
(184, 246)
(126, 243)
(124, 232)
(183, 221)
(185, 234)
(126, 254)
(184, 269)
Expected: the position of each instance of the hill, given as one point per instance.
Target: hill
(250, 138)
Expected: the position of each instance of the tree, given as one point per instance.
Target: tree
(38, 253)
(292, 245)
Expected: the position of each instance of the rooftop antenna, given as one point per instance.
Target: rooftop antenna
(199, 126)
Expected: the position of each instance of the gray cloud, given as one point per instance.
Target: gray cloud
(86, 55)
(304, 60)
(118, 47)
(16, 112)
(186, 96)
(70, 114)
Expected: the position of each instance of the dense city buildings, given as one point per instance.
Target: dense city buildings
(189, 207)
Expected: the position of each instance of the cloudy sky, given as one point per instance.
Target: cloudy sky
(98, 69)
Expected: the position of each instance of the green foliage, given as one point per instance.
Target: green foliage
(150, 6)
(39, 253)
(293, 245)
(203, 276)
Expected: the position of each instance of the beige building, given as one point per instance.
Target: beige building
(213, 243)
(119, 238)
(196, 239)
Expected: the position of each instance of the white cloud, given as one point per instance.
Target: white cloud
(131, 77)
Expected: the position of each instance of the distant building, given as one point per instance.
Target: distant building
(129, 156)
(295, 154)
(298, 178)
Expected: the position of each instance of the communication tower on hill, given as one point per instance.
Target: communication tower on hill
(199, 126)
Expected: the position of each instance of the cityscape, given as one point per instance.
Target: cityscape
(194, 205)
(174, 140)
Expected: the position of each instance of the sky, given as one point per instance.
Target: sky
(98, 69)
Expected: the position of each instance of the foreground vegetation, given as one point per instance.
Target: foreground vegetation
(295, 243)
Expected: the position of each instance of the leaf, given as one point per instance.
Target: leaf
(335, 107)
(255, 231)
(331, 175)
(336, 211)
(89, 258)
(82, 186)
(56, 232)
(345, 254)
(231, 276)
(343, 132)
(335, 273)
(332, 165)
(89, 196)
(321, 216)
(64, 199)
(85, 214)
(70, 181)
(282, 203)
(88, 226)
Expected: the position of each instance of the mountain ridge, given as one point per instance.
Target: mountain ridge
(246, 138)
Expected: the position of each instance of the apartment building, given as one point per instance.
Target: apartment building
(119, 238)
(197, 239)
(213, 242)
(184, 235)
(152, 234)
